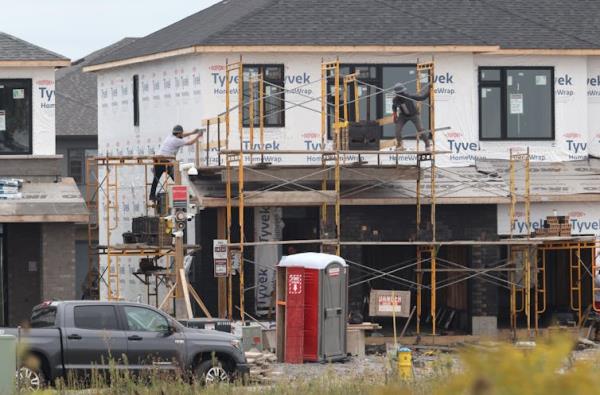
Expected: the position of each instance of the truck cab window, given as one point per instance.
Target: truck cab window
(95, 317)
(141, 319)
(43, 317)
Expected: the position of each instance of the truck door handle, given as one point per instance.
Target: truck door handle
(134, 337)
(74, 337)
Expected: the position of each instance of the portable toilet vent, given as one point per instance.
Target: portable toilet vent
(312, 300)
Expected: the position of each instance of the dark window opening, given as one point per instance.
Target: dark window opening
(375, 104)
(136, 100)
(76, 163)
(516, 103)
(273, 95)
(16, 115)
(95, 317)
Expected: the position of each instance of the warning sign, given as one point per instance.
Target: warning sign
(383, 303)
(295, 284)
(220, 257)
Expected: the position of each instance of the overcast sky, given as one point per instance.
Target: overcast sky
(74, 28)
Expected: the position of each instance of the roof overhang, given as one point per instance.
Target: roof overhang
(35, 63)
(544, 52)
(46, 202)
(335, 49)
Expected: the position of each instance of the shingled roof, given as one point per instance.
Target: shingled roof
(76, 95)
(509, 24)
(15, 49)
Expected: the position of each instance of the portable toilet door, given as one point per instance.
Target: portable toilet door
(334, 302)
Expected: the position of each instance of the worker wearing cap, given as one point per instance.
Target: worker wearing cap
(404, 108)
(170, 147)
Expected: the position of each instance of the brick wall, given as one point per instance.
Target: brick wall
(58, 265)
(23, 263)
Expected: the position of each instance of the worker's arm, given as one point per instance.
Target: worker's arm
(186, 134)
(421, 97)
(193, 140)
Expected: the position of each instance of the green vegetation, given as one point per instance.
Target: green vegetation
(547, 369)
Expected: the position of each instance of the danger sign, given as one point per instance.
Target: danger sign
(383, 303)
(295, 284)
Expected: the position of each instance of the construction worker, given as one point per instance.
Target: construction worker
(405, 109)
(170, 147)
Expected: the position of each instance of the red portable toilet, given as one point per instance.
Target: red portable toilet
(312, 300)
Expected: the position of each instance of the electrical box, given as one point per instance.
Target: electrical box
(312, 305)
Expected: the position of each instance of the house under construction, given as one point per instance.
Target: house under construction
(495, 227)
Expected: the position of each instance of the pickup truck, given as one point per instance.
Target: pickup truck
(80, 336)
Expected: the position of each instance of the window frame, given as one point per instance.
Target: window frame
(136, 99)
(126, 322)
(503, 98)
(261, 67)
(29, 83)
(117, 327)
(379, 105)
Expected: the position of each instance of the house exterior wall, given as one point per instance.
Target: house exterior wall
(43, 101)
(186, 89)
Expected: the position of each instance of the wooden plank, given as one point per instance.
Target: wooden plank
(186, 293)
(167, 297)
(198, 300)
(315, 174)
(289, 198)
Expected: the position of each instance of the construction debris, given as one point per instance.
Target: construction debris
(261, 366)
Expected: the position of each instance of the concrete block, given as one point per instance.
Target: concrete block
(485, 326)
(355, 342)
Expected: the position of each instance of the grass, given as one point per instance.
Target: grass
(547, 369)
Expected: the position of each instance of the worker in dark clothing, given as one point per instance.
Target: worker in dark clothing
(404, 108)
(174, 141)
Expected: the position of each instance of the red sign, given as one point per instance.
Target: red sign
(179, 193)
(295, 284)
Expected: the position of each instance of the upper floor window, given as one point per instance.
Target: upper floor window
(516, 103)
(273, 95)
(15, 115)
(375, 95)
(136, 100)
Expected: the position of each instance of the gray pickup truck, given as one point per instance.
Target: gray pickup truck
(79, 336)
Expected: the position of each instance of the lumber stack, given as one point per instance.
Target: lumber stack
(260, 365)
(555, 226)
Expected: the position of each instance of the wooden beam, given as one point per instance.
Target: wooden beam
(35, 63)
(186, 293)
(545, 52)
(288, 198)
(198, 300)
(167, 297)
(291, 49)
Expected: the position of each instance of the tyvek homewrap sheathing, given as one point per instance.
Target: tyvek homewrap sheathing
(42, 90)
(186, 89)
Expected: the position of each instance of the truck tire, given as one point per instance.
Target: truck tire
(30, 378)
(211, 372)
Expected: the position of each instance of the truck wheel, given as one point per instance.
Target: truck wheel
(30, 378)
(210, 373)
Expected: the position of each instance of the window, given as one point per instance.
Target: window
(516, 103)
(373, 104)
(95, 317)
(43, 317)
(136, 100)
(273, 95)
(141, 319)
(76, 158)
(15, 115)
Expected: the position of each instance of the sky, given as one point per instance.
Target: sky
(75, 28)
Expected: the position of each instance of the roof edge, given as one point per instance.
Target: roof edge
(291, 48)
(35, 63)
(542, 51)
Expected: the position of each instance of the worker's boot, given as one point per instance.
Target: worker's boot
(399, 145)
